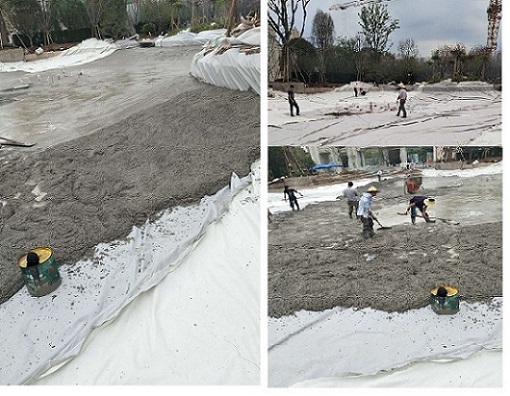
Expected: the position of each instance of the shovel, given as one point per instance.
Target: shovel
(381, 227)
(10, 142)
(447, 221)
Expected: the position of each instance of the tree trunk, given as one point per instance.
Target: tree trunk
(485, 60)
(285, 64)
(231, 16)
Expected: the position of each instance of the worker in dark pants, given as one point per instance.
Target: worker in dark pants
(421, 203)
(401, 100)
(292, 101)
(292, 197)
(365, 212)
(352, 199)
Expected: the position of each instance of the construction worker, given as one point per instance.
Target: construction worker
(292, 101)
(401, 100)
(352, 199)
(379, 175)
(292, 197)
(365, 212)
(421, 203)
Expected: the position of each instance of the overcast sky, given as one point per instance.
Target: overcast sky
(431, 23)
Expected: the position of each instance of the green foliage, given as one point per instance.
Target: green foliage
(377, 26)
(26, 16)
(206, 26)
(149, 28)
(421, 151)
(276, 163)
(481, 153)
(339, 64)
(448, 62)
(164, 14)
(71, 35)
(323, 30)
(114, 21)
(382, 68)
(71, 13)
(288, 161)
(305, 56)
(303, 158)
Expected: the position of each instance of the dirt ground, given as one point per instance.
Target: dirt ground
(317, 259)
(155, 141)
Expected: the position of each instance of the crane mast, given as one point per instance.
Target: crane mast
(494, 19)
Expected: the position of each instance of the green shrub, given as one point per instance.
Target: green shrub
(149, 28)
(206, 26)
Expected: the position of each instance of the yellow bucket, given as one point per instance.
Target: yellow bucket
(445, 305)
(43, 278)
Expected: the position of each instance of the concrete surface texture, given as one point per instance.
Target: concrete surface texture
(318, 260)
(117, 140)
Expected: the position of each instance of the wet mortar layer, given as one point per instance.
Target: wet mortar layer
(317, 259)
(100, 185)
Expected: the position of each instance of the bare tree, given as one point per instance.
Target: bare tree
(408, 51)
(47, 19)
(282, 20)
(95, 11)
(459, 55)
(360, 55)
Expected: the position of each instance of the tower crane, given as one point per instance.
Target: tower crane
(493, 15)
(494, 19)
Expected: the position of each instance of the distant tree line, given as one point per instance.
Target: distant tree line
(326, 59)
(42, 22)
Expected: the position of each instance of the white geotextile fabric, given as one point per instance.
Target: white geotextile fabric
(449, 85)
(443, 373)
(189, 38)
(39, 333)
(343, 342)
(199, 326)
(127, 43)
(231, 69)
(87, 51)
(248, 37)
(209, 35)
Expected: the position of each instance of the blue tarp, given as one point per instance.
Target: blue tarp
(326, 166)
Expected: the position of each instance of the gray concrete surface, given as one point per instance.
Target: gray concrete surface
(318, 260)
(133, 134)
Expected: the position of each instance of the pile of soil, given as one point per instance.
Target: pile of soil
(318, 260)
